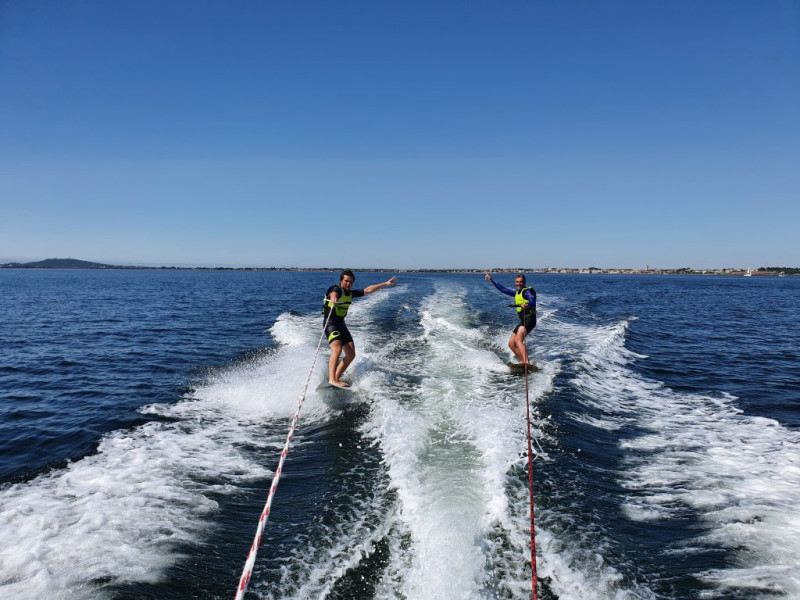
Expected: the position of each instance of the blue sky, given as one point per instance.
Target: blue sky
(401, 134)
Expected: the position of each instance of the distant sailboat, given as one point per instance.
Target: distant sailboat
(748, 273)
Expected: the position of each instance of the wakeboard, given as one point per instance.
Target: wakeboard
(520, 367)
(326, 385)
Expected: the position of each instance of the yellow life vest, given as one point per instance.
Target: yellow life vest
(342, 304)
(519, 301)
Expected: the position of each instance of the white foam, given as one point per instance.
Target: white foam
(578, 573)
(315, 568)
(454, 443)
(448, 444)
(739, 474)
(120, 514)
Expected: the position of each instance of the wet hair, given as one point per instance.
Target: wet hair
(347, 272)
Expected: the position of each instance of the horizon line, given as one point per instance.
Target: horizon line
(505, 269)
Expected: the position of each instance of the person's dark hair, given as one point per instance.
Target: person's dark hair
(520, 275)
(347, 272)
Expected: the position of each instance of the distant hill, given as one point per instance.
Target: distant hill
(58, 263)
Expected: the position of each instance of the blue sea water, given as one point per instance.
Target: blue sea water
(142, 414)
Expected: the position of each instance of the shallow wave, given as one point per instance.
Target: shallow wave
(427, 435)
(579, 555)
(119, 515)
(127, 512)
(698, 456)
(454, 443)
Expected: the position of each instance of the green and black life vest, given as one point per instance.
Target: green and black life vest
(342, 304)
(519, 301)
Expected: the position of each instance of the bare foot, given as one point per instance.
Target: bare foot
(341, 384)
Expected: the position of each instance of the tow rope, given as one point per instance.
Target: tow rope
(534, 581)
(247, 572)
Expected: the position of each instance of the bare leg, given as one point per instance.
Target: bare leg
(333, 362)
(517, 344)
(349, 356)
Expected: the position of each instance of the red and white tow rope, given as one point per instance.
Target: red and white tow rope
(247, 572)
(534, 582)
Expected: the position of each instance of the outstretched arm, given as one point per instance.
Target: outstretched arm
(374, 288)
(503, 289)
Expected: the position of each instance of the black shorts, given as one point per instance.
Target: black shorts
(526, 321)
(337, 330)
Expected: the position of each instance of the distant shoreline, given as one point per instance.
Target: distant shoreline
(75, 264)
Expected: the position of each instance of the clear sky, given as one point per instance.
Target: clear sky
(433, 134)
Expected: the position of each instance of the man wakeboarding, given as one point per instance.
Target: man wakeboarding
(525, 302)
(335, 306)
